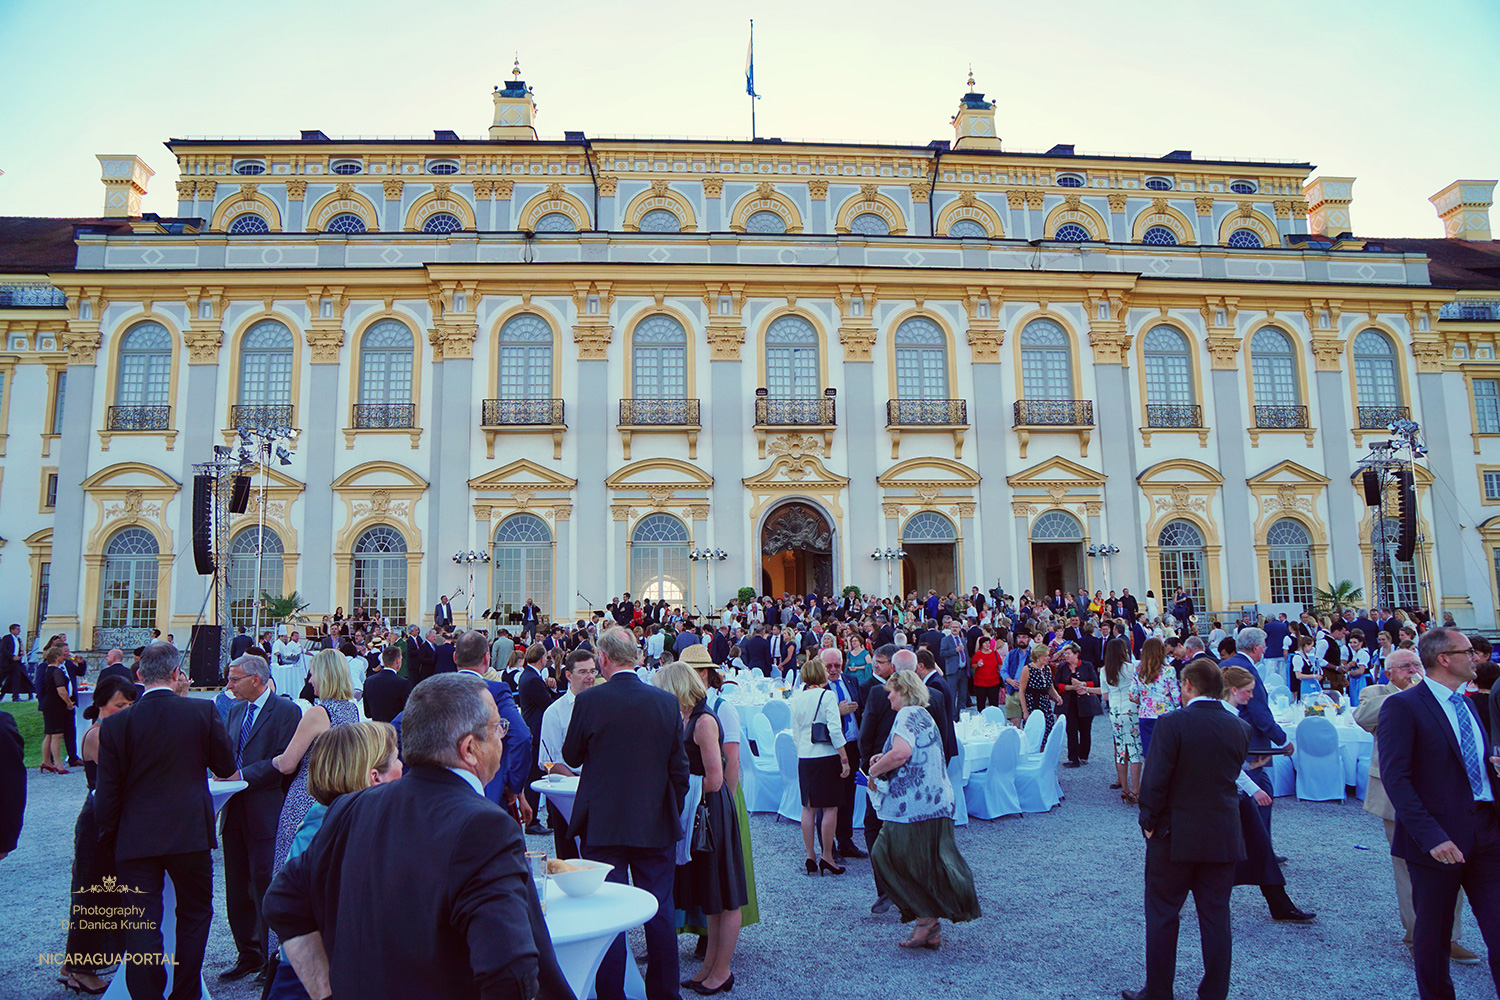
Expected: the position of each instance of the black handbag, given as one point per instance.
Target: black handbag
(820, 729)
(703, 836)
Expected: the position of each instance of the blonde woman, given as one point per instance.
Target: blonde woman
(1155, 691)
(335, 707)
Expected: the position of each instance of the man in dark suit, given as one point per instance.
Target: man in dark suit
(955, 661)
(874, 726)
(1250, 646)
(442, 615)
(534, 696)
(531, 617)
(156, 816)
(939, 699)
(848, 694)
(114, 666)
(1190, 815)
(12, 783)
(385, 691)
(718, 645)
(239, 644)
(756, 651)
(1444, 792)
(885, 635)
(442, 653)
(472, 656)
(362, 914)
(261, 725)
(13, 676)
(627, 738)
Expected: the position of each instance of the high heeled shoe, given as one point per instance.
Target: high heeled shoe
(726, 986)
(812, 866)
(77, 987)
(824, 866)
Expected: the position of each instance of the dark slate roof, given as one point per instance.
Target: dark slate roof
(1464, 264)
(38, 245)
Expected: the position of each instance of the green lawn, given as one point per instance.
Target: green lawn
(29, 720)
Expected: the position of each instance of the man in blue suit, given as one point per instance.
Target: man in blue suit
(1250, 646)
(1444, 793)
(755, 651)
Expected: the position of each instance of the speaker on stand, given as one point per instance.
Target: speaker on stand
(1406, 538)
(239, 500)
(203, 656)
(203, 524)
(1371, 480)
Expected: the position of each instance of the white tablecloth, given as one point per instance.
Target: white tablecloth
(289, 679)
(583, 928)
(977, 754)
(1352, 739)
(560, 792)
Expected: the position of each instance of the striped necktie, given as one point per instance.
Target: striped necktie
(1466, 744)
(244, 735)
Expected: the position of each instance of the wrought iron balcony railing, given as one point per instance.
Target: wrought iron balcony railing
(795, 411)
(511, 412)
(106, 637)
(140, 418)
(658, 412)
(1174, 415)
(916, 412)
(378, 416)
(256, 416)
(1270, 416)
(1378, 418)
(1059, 412)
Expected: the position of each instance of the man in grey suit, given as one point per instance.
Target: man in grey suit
(1404, 668)
(954, 655)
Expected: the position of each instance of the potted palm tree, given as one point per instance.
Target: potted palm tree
(1338, 596)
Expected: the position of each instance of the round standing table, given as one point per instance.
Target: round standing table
(583, 928)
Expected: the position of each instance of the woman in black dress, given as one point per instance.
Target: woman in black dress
(712, 881)
(56, 706)
(90, 867)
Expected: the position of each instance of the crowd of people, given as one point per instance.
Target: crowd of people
(632, 702)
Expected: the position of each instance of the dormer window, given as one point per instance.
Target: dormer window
(1242, 187)
(347, 167)
(442, 167)
(250, 167)
(1069, 181)
(1159, 183)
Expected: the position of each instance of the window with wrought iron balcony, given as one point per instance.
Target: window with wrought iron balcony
(1378, 418)
(783, 412)
(656, 414)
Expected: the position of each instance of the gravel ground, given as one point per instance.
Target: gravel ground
(1061, 895)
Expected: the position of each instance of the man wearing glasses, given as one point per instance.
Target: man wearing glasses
(1433, 750)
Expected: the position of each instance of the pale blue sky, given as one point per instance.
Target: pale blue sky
(1401, 95)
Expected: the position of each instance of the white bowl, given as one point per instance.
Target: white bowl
(585, 882)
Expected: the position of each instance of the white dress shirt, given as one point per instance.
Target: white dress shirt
(555, 721)
(471, 778)
(1242, 781)
(1442, 693)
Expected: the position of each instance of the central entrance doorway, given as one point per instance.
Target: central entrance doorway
(931, 562)
(1056, 554)
(796, 551)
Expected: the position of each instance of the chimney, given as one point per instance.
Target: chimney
(515, 111)
(974, 125)
(1464, 207)
(125, 180)
(1328, 201)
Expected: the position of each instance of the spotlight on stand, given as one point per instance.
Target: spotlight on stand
(283, 454)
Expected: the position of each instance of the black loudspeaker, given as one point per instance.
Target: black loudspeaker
(240, 498)
(1406, 542)
(203, 656)
(1372, 488)
(203, 524)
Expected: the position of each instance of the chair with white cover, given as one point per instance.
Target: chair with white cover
(1362, 771)
(763, 791)
(1036, 728)
(956, 779)
(860, 797)
(1036, 777)
(991, 793)
(1280, 698)
(1283, 776)
(790, 806)
(994, 715)
(1320, 769)
(780, 714)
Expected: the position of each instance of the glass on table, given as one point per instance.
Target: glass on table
(536, 861)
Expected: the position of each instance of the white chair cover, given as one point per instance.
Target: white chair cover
(956, 779)
(860, 795)
(994, 715)
(791, 790)
(1281, 698)
(991, 793)
(780, 714)
(1320, 770)
(1036, 727)
(1361, 773)
(1283, 777)
(763, 780)
(1036, 777)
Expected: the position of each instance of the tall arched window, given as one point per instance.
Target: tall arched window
(659, 220)
(245, 584)
(1184, 562)
(127, 593)
(1375, 379)
(792, 368)
(1046, 361)
(345, 222)
(385, 372)
(523, 564)
(442, 222)
(1290, 549)
(1159, 236)
(869, 224)
(659, 565)
(1403, 584)
(525, 358)
(145, 377)
(1169, 379)
(555, 222)
(266, 365)
(379, 567)
(1273, 366)
(965, 229)
(928, 526)
(765, 222)
(248, 224)
(921, 360)
(658, 353)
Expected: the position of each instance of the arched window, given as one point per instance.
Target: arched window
(347, 167)
(1403, 582)
(1291, 563)
(385, 373)
(928, 526)
(266, 365)
(127, 594)
(1375, 371)
(765, 222)
(345, 222)
(1247, 238)
(523, 564)
(1169, 377)
(555, 222)
(1046, 361)
(1158, 184)
(1056, 526)
(1159, 236)
(246, 584)
(792, 367)
(145, 377)
(1273, 367)
(1071, 232)
(1242, 187)
(442, 168)
(525, 358)
(659, 358)
(967, 229)
(249, 167)
(659, 220)
(247, 224)
(1070, 181)
(442, 222)
(379, 567)
(869, 224)
(659, 565)
(1184, 562)
(921, 360)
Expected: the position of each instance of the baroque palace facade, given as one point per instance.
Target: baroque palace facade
(597, 360)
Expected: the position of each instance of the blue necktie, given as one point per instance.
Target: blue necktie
(1466, 744)
(244, 734)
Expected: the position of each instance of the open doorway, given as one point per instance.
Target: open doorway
(1056, 553)
(931, 562)
(796, 551)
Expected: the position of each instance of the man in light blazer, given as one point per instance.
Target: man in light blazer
(442, 615)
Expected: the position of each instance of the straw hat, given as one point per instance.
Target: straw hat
(696, 656)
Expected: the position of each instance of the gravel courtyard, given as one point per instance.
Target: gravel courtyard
(1062, 912)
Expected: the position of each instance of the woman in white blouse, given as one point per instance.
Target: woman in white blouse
(821, 766)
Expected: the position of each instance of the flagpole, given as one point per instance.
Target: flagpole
(751, 88)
